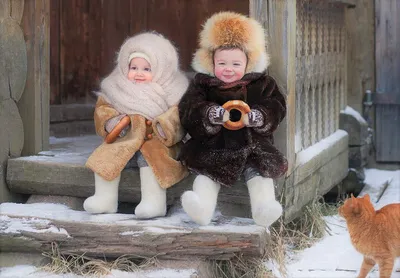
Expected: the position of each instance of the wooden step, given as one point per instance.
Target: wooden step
(61, 171)
(33, 228)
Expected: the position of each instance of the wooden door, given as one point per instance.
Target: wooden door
(86, 34)
(387, 97)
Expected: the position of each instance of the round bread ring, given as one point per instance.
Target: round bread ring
(112, 136)
(242, 106)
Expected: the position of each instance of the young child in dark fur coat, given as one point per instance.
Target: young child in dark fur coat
(231, 62)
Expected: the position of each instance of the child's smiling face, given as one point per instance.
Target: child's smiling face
(140, 71)
(229, 64)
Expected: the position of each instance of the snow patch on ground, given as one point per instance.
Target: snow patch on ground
(334, 256)
(28, 271)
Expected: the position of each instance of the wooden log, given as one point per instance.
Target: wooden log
(5, 9)
(11, 125)
(34, 102)
(13, 50)
(17, 9)
(114, 235)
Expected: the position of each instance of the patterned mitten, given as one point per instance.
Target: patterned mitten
(254, 118)
(218, 115)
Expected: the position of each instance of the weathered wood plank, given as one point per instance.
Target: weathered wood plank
(281, 28)
(55, 45)
(387, 132)
(361, 64)
(114, 235)
(34, 103)
(387, 39)
(318, 155)
(350, 3)
(387, 80)
(317, 184)
(115, 18)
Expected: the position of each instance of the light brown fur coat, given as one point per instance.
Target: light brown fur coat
(375, 234)
(108, 160)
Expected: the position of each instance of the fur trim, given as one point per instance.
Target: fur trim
(229, 29)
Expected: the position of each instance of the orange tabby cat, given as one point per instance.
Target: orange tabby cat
(375, 234)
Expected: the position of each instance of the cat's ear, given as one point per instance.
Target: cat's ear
(366, 197)
(355, 206)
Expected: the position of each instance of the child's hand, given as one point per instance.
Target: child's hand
(161, 131)
(218, 115)
(111, 123)
(254, 118)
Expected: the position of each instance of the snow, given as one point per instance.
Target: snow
(334, 256)
(70, 150)
(28, 271)
(350, 111)
(31, 225)
(308, 154)
(177, 222)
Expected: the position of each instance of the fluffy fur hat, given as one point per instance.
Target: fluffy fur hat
(229, 29)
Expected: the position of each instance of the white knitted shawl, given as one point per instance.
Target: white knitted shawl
(149, 99)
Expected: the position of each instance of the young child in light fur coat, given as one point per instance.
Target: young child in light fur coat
(231, 64)
(146, 85)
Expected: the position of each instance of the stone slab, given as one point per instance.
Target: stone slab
(61, 171)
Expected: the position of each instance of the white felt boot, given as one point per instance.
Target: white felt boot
(264, 208)
(154, 198)
(105, 198)
(200, 203)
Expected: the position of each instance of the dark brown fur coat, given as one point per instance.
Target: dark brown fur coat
(223, 154)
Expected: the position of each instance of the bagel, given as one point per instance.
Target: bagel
(242, 107)
(112, 136)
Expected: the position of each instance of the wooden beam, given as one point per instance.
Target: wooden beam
(34, 103)
(279, 18)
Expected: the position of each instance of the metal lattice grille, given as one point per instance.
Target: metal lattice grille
(320, 70)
